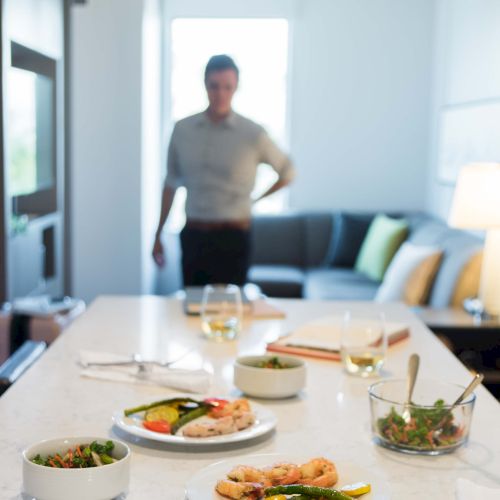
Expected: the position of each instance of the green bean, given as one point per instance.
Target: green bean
(311, 491)
(198, 412)
(138, 409)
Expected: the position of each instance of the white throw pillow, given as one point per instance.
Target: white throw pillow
(410, 274)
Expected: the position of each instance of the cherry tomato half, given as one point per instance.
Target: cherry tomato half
(158, 426)
(216, 402)
(217, 407)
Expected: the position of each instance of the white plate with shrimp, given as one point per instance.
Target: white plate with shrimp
(201, 486)
(265, 421)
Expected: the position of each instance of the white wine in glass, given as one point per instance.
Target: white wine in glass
(221, 312)
(363, 344)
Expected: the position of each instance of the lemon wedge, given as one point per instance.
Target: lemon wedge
(356, 489)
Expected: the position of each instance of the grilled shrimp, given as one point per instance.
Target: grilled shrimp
(245, 473)
(282, 473)
(239, 491)
(236, 408)
(318, 472)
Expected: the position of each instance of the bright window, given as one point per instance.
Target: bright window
(260, 49)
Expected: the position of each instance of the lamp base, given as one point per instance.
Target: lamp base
(489, 288)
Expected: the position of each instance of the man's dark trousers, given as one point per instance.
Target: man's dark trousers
(215, 256)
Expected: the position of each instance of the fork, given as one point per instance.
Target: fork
(438, 429)
(136, 359)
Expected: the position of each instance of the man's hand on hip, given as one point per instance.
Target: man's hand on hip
(158, 252)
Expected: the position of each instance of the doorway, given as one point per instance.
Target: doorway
(258, 41)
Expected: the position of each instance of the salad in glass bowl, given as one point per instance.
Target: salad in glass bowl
(429, 426)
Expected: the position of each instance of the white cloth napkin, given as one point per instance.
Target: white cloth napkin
(197, 381)
(467, 490)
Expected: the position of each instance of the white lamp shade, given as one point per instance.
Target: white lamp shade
(476, 203)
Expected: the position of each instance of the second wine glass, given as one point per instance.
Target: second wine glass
(363, 344)
(221, 312)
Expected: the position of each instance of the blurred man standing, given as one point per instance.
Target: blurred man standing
(215, 155)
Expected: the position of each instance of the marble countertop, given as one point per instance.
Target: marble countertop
(330, 417)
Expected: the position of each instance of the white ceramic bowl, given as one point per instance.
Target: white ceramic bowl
(93, 483)
(269, 383)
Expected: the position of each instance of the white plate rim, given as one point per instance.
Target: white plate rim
(266, 421)
(380, 492)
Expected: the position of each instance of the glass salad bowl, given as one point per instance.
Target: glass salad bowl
(429, 425)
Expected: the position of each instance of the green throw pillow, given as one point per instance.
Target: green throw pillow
(384, 237)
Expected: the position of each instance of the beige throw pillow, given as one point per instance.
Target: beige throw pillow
(468, 282)
(418, 287)
(410, 275)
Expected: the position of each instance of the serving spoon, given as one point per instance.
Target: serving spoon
(478, 378)
(413, 364)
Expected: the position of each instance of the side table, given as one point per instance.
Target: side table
(475, 342)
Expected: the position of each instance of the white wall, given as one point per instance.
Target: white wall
(107, 154)
(359, 96)
(151, 171)
(360, 103)
(33, 23)
(466, 70)
(359, 121)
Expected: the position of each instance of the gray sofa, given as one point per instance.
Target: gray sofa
(290, 254)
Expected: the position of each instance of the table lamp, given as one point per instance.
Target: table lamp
(476, 205)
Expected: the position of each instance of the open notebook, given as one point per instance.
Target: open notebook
(259, 308)
(194, 296)
(321, 338)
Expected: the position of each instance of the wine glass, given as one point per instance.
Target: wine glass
(363, 344)
(221, 312)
